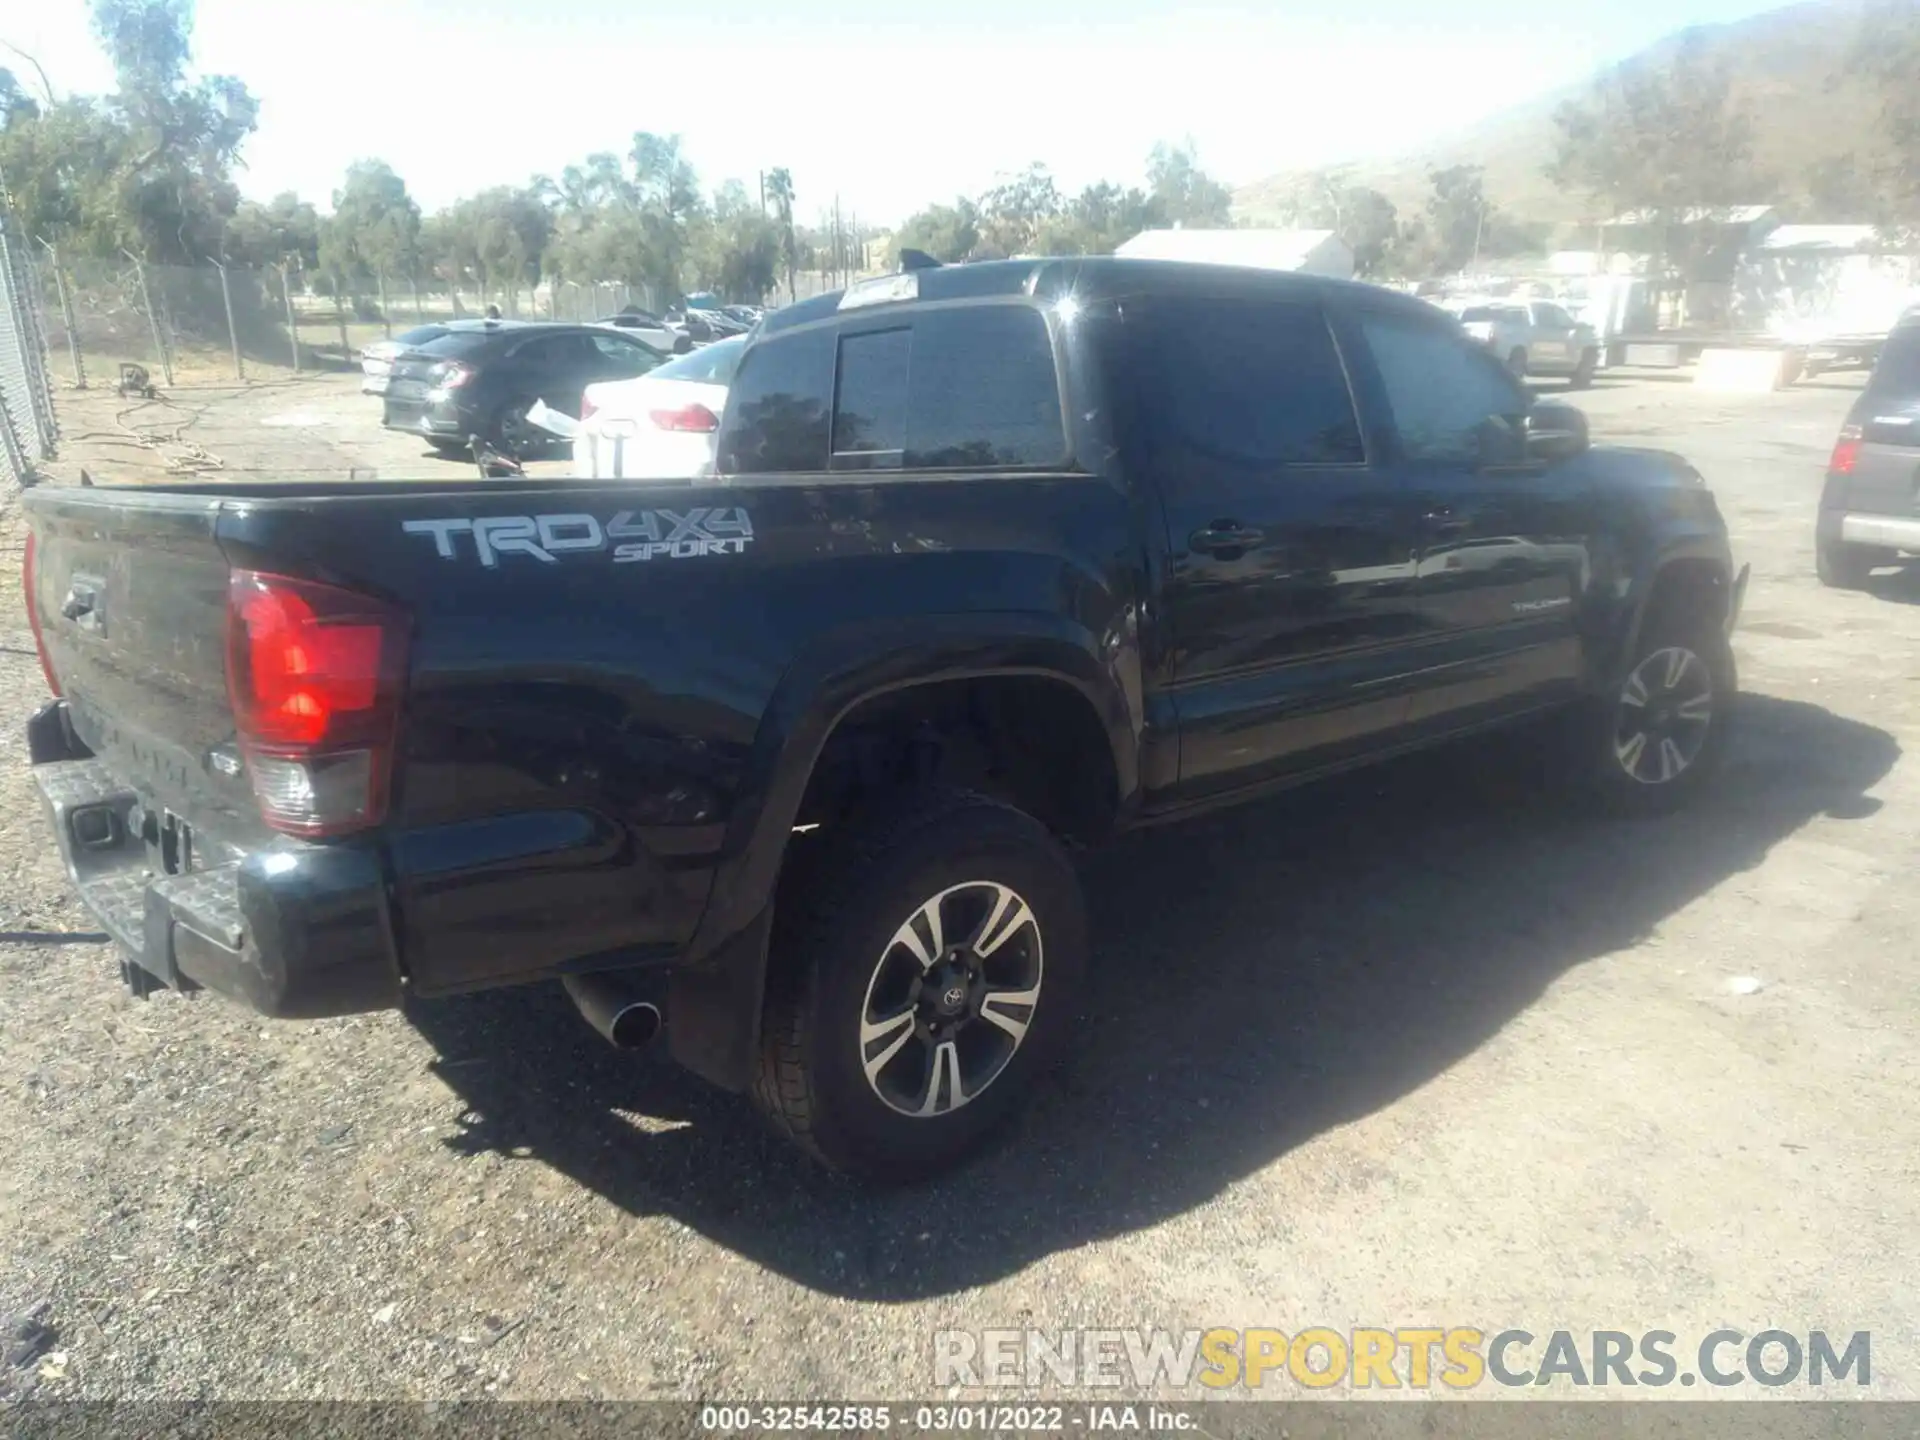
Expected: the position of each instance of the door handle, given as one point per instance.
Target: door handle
(1224, 536)
(1446, 522)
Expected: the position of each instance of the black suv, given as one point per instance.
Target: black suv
(482, 376)
(1870, 507)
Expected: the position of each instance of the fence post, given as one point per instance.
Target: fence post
(293, 326)
(386, 325)
(340, 315)
(67, 317)
(233, 333)
(153, 320)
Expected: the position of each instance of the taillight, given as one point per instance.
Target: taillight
(28, 570)
(587, 407)
(451, 375)
(1846, 452)
(695, 418)
(315, 675)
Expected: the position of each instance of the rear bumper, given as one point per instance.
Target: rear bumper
(300, 932)
(426, 418)
(1893, 532)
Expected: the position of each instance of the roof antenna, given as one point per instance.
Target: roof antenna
(917, 260)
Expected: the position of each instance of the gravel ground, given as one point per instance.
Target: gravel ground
(1412, 1047)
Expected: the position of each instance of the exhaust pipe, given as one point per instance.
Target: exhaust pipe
(615, 1008)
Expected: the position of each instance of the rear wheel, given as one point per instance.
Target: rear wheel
(513, 434)
(929, 977)
(1841, 566)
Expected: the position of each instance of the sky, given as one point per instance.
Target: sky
(886, 104)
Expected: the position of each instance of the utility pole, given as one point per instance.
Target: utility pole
(763, 194)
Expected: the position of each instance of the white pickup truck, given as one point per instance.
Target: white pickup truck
(1534, 337)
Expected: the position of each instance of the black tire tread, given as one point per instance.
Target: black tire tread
(781, 1087)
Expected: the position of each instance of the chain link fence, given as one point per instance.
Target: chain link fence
(28, 431)
(214, 325)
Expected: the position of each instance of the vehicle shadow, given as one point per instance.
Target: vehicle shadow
(1259, 977)
(1902, 586)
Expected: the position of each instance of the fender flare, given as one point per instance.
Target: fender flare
(716, 993)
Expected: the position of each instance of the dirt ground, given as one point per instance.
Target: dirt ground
(1412, 1047)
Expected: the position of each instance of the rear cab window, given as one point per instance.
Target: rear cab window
(968, 386)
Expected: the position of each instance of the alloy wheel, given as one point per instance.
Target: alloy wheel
(951, 998)
(1666, 712)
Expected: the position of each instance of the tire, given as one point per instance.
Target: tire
(1683, 674)
(1517, 364)
(1841, 566)
(450, 448)
(1582, 377)
(847, 968)
(510, 433)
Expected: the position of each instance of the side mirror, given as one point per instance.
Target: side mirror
(1556, 432)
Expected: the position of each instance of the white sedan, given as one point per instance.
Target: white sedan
(649, 330)
(660, 426)
(376, 361)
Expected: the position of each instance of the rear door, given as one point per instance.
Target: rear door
(1503, 540)
(1886, 467)
(555, 367)
(1552, 335)
(1291, 549)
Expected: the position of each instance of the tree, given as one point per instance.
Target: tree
(1887, 55)
(1186, 193)
(1663, 139)
(737, 252)
(15, 102)
(375, 226)
(1458, 213)
(946, 232)
(182, 136)
(780, 192)
(1013, 213)
(284, 231)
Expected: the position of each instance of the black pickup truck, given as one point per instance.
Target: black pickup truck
(788, 763)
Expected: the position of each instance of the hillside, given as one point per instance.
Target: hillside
(1789, 65)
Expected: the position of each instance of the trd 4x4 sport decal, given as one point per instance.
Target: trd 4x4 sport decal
(633, 534)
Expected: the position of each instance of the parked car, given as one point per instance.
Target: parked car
(1533, 337)
(660, 426)
(1000, 558)
(1869, 507)
(649, 329)
(482, 376)
(707, 326)
(376, 361)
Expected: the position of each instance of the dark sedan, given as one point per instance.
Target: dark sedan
(482, 376)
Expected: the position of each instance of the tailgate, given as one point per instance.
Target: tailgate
(131, 594)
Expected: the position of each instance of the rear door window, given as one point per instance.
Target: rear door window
(972, 388)
(777, 411)
(982, 391)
